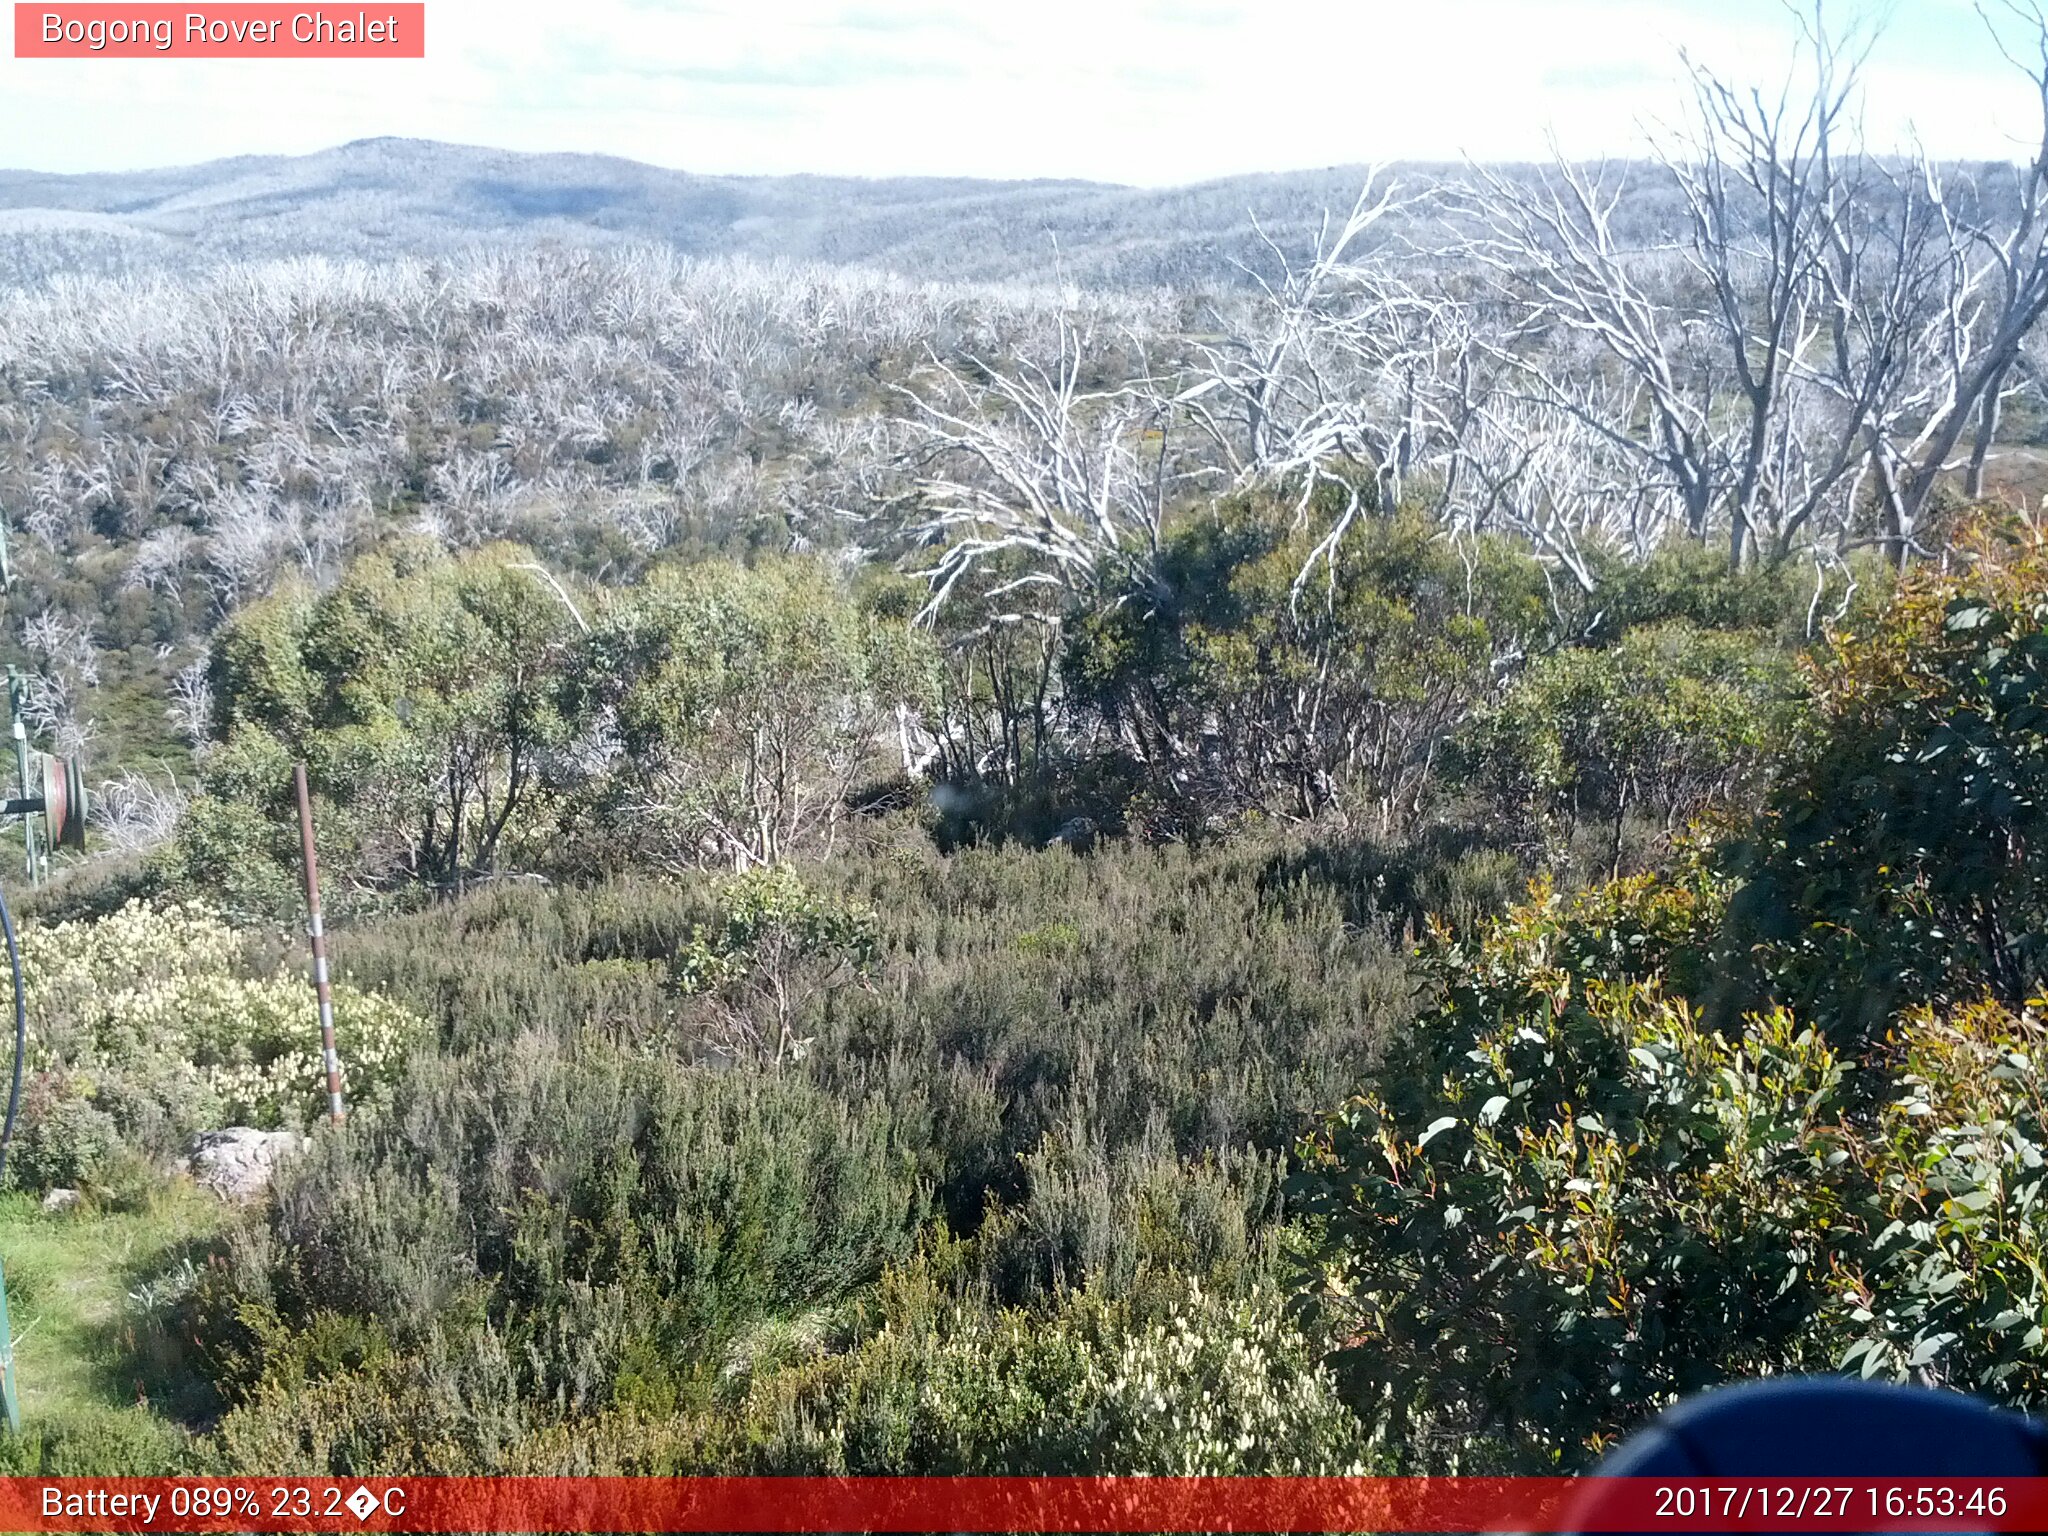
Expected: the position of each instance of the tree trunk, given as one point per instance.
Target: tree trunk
(1989, 412)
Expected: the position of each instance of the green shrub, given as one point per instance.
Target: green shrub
(1172, 996)
(1688, 581)
(448, 1407)
(1654, 1136)
(1452, 871)
(1903, 857)
(523, 957)
(1671, 722)
(613, 1215)
(749, 702)
(63, 1140)
(98, 1442)
(1572, 1202)
(1199, 1385)
(1950, 1288)
(1123, 1222)
(1204, 1386)
(775, 946)
(649, 1239)
(1241, 689)
(422, 691)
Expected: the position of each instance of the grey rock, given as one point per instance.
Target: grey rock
(237, 1163)
(61, 1200)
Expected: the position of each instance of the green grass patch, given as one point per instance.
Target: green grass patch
(75, 1279)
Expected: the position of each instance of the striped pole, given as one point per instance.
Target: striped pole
(28, 826)
(314, 931)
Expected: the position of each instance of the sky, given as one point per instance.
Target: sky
(1140, 91)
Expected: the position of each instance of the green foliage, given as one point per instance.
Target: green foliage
(774, 946)
(928, 1383)
(611, 1216)
(988, 1161)
(1690, 582)
(1202, 1385)
(1904, 854)
(63, 1139)
(1240, 692)
(1952, 1289)
(1671, 721)
(1574, 1194)
(1125, 1222)
(1139, 998)
(1449, 871)
(1572, 1201)
(97, 1442)
(236, 843)
(443, 1408)
(422, 691)
(564, 1247)
(458, 721)
(749, 703)
(998, 685)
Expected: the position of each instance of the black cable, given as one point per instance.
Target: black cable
(20, 1033)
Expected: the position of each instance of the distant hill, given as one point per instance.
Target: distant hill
(386, 197)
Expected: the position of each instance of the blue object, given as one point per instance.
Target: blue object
(1826, 1426)
(1830, 1426)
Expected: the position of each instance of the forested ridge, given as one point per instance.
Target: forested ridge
(1380, 867)
(393, 199)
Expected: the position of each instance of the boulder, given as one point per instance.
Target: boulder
(237, 1163)
(61, 1200)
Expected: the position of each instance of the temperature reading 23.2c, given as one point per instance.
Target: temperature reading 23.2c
(302, 1502)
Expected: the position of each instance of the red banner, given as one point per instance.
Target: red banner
(1018, 1504)
(224, 31)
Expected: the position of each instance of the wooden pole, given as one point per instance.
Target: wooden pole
(322, 989)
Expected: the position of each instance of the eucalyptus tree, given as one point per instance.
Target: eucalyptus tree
(1693, 358)
(425, 693)
(1036, 461)
(746, 705)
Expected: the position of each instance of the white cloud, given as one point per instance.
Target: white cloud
(1128, 90)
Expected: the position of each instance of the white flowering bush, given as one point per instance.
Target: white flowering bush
(1206, 1386)
(1225, 1386)
(150, 1016)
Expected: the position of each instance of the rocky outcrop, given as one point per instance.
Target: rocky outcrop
(237, 1163)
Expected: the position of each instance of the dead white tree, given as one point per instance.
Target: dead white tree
(1337, 376)
(1730, 382)
(1899, 336)
(1591, 334)
(1832, 330)
(1063, 482)
(1765, 191)
(191, 710)
(1997, 251)
(135, 812)
(1538, 471)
